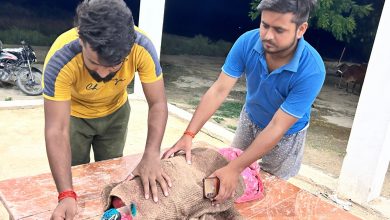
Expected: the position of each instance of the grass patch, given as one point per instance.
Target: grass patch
(193, 102)
(218, 119)
(231, 127)
(230, 109)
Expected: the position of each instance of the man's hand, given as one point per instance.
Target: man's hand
(228, 180)
(149, 169)
(65, 210)
(183, 144)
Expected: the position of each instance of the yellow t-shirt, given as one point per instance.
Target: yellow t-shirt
(65, 76)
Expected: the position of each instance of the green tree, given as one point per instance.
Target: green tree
(352, 22)
(338, 17)
(365, 32)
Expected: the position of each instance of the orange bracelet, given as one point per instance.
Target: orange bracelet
(189, 133)
(66, 194)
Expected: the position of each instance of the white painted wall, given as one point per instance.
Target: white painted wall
(151, 20)
(368, 152)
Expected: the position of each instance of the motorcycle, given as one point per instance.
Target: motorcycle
(16, 69)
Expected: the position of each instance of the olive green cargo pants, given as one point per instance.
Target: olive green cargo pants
(106, 135)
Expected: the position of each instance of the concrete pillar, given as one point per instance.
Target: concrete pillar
(368, 152)
(151, 19)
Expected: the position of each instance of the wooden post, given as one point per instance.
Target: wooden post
(341, 57)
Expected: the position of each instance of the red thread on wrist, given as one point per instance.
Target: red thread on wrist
(67, 194)
(189, 133)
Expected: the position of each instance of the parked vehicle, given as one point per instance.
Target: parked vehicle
(16, 69)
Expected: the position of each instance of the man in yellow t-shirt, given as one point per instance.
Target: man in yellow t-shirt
(86, 73)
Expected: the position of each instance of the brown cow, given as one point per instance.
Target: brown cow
(353, 74)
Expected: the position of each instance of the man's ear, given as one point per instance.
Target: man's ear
(302, 29)
(81, 43)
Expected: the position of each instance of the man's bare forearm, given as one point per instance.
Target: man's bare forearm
(59, 155)
(57, 142)
(157, 120)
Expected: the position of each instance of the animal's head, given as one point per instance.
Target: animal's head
(341, 68)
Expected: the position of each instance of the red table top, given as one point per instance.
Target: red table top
(36, 197)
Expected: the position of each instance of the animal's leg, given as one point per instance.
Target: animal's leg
(360, 89)
(353, 88)
(339, 86)
(346, 87)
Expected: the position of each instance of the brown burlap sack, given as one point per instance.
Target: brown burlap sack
(185, 200)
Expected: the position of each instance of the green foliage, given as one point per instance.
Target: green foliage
(254, 13)
(198, 45)
(365, 32)
(339, 17)
(15, 35)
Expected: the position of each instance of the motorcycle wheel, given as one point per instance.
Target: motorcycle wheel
(27, 86)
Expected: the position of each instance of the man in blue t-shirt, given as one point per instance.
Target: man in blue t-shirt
(284, 75)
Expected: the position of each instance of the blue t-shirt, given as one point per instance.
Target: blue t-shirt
(292, 87)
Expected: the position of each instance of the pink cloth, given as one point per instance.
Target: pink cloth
(118, 203)
(253, 185)
(126, 217)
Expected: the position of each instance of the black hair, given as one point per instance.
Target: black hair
(108, 27)
(300, 8)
